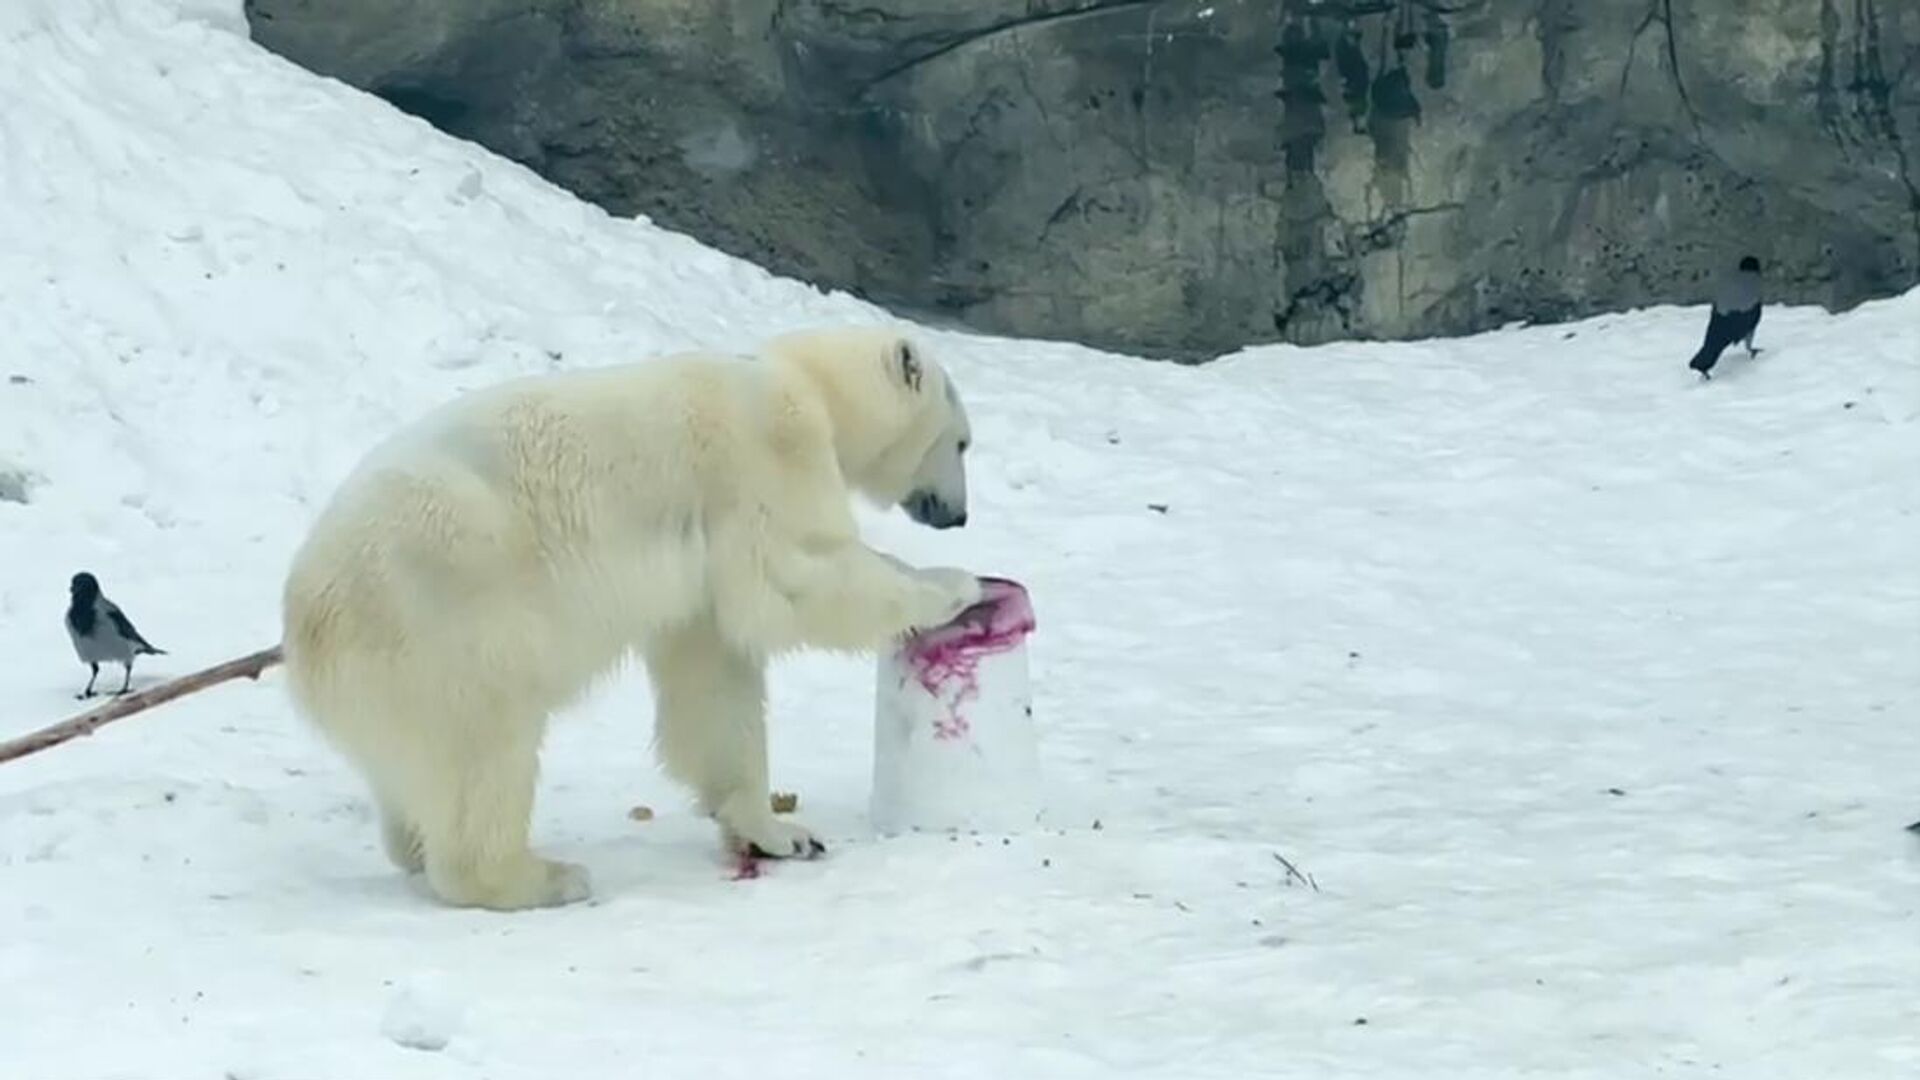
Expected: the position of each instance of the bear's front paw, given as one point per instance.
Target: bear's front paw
(775, 839)
(957, 590)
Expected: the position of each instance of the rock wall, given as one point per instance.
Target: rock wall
(1179, 178)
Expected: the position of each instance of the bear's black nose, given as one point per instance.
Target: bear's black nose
(941, 516)
(929, 509)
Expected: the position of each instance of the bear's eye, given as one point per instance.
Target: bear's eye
(964, 443)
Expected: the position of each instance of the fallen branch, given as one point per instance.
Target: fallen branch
(1293, 873)
(139, 701)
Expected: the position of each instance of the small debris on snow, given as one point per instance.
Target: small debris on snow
(1294, 874)
(1158, 508)
(16, 485)
(422, 1016)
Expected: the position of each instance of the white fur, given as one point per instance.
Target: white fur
(480, 569)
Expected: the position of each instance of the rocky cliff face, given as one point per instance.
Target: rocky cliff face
(1182, 177)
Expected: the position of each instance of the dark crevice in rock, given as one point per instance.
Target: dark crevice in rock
(1438, 38)
(1913, 190)
(1673, 66)
(1876, 97)
(1661, 11)
(1860, 113)
(1827, 87)
(1356, 8)
(856, 14)
(1551, 24)
(445, 112)
(1305, 270)
(1356, 78)
(1389, 231)
(1633, 48)
(1336, 294)
(1009, 26)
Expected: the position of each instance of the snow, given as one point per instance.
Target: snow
(1583, 691)
(423, 1015)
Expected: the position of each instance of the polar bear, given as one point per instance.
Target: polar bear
(485, 565)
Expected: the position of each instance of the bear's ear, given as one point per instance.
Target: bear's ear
(906, 361)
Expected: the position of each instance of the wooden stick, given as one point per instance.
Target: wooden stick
(126, 705)
(1294, 874)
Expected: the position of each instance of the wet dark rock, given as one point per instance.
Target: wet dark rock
(1181, 179)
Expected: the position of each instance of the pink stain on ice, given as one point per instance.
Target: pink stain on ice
(746, 868)
(945, 661)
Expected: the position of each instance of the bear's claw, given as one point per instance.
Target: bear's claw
(812, 850)
(774, 839)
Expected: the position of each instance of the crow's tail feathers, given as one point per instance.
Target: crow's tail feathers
(1722, 331)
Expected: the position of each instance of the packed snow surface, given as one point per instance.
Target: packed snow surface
(1583, 692)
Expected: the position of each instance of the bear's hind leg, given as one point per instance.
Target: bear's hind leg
(472, 801)
(710, 732)
(400, 838)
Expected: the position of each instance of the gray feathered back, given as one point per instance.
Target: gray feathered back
(1738, 291)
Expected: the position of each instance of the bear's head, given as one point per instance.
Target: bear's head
(900, 429)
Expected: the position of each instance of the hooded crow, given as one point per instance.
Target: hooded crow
(1736, 313)
(102, 633)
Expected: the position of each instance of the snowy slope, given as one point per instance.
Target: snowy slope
(1585, 692)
